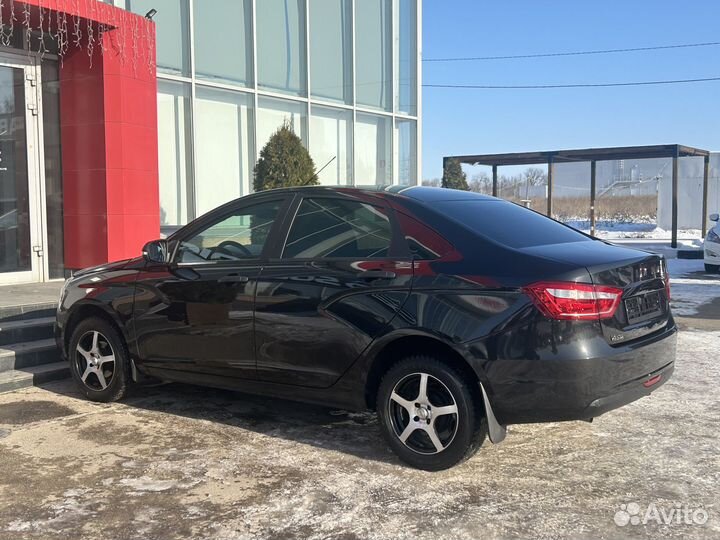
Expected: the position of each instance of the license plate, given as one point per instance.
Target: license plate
(643, 307)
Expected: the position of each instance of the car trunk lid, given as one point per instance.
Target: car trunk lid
(644, 307)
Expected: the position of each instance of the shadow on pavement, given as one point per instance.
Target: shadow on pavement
(355, 433)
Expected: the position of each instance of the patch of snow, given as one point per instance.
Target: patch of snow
(640, 227)
(654, 233)
(145, 483)
(690, 281)
(19, 525)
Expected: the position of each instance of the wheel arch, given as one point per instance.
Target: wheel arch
(85, 310)
(394, 348)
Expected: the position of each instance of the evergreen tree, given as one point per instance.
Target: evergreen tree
(453, 176)
(284, 162)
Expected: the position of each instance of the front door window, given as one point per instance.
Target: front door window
(236, 237)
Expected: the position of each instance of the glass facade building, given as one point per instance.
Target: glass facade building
(344, 73)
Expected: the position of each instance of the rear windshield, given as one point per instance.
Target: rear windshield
(509, 224)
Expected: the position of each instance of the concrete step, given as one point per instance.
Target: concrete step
(23, 312)
(29, 354)
(26, 330)
(33, 376)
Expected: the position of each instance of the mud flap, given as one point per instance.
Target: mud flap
(496, 432)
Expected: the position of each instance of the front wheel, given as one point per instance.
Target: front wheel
(99, 361)
(428, 414)
(712, 268)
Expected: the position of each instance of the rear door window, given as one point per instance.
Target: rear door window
(509, 224)
(329, 228)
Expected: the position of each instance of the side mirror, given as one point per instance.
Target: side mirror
(156, 251)
(714, 217)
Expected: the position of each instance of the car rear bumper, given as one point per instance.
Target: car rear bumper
(559, 390)
(631, 391)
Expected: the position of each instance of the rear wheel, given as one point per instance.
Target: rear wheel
(429, 414)
(99, 361)
(712, 268)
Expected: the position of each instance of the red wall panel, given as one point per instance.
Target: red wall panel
(108, 115)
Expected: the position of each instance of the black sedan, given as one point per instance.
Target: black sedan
(451, 314)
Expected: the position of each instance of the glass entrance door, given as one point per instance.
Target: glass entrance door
(21, 250)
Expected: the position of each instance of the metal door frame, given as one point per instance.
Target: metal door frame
(35, 168)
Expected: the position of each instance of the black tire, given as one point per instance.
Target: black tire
(712, 268)
(116, 377)
(460, 434)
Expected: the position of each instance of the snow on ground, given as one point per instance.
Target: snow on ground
(691, 286)
(655, 233)
(638, 228)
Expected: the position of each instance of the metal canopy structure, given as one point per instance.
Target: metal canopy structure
(593, 155)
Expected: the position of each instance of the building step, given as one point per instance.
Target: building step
(26, 330)
(33, 376)
(29, 354)
(25, 312)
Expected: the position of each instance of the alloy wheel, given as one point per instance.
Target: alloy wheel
(423, 413)
(95, 360)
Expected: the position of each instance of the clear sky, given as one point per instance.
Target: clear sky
(487, 121)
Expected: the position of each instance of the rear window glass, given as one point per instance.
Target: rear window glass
(509, 224)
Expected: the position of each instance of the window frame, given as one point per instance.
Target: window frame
(220, 214)
(398, 249)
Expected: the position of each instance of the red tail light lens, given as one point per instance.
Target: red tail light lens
(561, 300)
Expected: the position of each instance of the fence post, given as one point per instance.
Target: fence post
(495, 181)
(674, 238)
(550, 186)
(593, 168)
(706, 177)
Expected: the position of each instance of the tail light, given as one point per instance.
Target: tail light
(561, 300)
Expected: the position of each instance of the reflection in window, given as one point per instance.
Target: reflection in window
(406, 56)
(223, 40)
(15, 232)
(331, 145)
(331, 50)
(271, 115)
(422, 241)
(174, 151)
(373, 149)
(281, 54)
(239, 236)
(223, 147)
(173, 32)
(373, 84)
(338, 228)
(406, 133)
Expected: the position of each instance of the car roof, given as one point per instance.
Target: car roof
(423, 194)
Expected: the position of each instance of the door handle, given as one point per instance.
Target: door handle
(233, 278)
(376, 274)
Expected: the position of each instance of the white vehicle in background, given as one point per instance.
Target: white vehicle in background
(712, 246)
